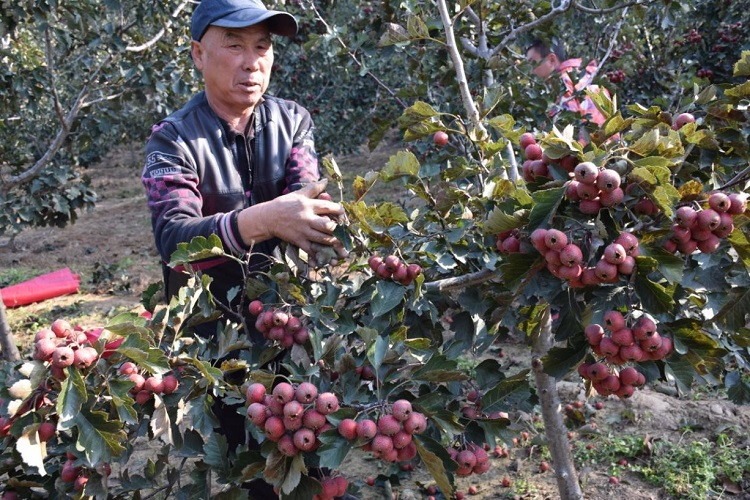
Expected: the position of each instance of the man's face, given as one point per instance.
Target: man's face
(236, 66)
(543, 66)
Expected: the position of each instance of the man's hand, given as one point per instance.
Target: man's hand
(298, 218)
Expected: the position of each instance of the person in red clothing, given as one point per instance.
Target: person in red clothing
(550, 59)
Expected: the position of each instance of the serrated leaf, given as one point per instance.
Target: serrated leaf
(511, 393)
(516, 267)
(215, 451)
(653, 161)
(394, 33)
(198, 248)
(72, 396)
(294, 474)
(742, 67)
(100, 437)
(499, 221)
(377, 351)
(616, 124)
(734, 312)
(738, 390)
(559, 362)
(440, 369)
(332, 168)
(741, 244)
(417, 27)
(545, 206)
(402, 164)
(333, 449)
(435, 457)
(388, 295)
(646, 144)
(655, 297)
(739, 91)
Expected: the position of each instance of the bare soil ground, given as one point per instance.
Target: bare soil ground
(112, 250)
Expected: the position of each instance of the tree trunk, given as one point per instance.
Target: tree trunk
(7, 343)
(557, 433)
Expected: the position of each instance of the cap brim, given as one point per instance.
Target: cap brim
(280, 23)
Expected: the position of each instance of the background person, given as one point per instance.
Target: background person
(550, 59)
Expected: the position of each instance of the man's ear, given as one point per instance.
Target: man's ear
(552, 57)
(196, 54)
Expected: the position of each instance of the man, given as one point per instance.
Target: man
(549, 60)
(233, 161)
(236, 163)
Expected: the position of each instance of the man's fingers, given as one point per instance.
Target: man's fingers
(313, 189)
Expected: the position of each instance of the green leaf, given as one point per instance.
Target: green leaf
(741, 244)
(499, 221)
(417, 113)
(417, 28)
(655, 297)
(734, 312)
(215, 451)
(72, 397)
(394, 34)
(559, 362)
(545, 206)
(377, 351)
(438, 462)
(737, 389)
(742, 67)
(198, 248)
(333, 449)
(511, 393)
(440, 369)
(646, 143)
(653, 161)
(739, 91)
(402, 164)
(516, 268)
(616, 124)
(388, 295)
(100, 437)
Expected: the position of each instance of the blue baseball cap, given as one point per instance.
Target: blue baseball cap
(239, 14)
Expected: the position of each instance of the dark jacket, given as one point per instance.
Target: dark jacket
(199, 174)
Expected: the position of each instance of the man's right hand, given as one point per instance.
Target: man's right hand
(298, 218)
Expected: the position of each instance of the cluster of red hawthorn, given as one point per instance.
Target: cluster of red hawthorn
(616, 76)
(593, 188)
(620, 344)
(536, 163)
(146, 386)
(62, 346)
(390, 437)
(471, 459)
(565, 260)
(392, 267)
(703, 229)
(292, 416)
(278, 325)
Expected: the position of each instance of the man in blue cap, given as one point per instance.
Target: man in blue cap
(236, 163)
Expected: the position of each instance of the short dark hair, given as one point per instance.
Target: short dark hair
(545, 48)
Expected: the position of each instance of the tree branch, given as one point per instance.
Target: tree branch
(458, 65)
(66, 123)
(354, 57)
(463, 281)
(608, 10)
(160, 34)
